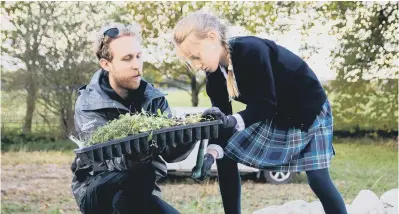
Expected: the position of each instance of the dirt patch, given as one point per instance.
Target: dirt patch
(46, 187)
(43, 186)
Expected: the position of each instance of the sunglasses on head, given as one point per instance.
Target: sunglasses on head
(112, 32)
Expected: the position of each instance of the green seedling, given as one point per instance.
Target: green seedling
(131, 124)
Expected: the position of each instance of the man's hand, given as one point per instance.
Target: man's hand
(228, 121)
(205, 169)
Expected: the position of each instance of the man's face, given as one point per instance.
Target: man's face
(126, 66)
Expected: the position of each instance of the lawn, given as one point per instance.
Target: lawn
(36, 179)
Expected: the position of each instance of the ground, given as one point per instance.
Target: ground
(39, 181)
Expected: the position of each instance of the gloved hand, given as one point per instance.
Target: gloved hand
(206, 168)
(80, 169)
(228, 121)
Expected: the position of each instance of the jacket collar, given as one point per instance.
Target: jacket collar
(94, 98)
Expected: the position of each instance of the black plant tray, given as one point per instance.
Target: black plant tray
(138, 143)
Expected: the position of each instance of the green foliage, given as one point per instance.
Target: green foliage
(47, 43)
(128, 124)
(12, 137)
(42, 145)
(366, 86)
(365, 105)
(158, 19)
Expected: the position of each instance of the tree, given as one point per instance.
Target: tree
(69, 60)
(159, 18)
(57, 58)
(164, 67)
(22, 43)
(366, 87)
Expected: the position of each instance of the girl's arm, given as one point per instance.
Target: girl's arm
(217, 92)
(255, 64)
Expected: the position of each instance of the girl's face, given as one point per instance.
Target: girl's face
(202, 54)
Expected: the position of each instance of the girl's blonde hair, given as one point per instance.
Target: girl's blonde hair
(101, 43)
(201, 23)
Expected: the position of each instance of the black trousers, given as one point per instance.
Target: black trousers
(124, 192)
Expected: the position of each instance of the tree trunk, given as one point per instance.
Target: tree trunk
(194, 92)
(194, 98)
(30, 104)
(67, 118)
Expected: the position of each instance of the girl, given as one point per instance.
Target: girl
(287, 123)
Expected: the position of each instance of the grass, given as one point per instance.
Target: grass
(36, 179)
(365, 164)
(61, 145)
(36, 157)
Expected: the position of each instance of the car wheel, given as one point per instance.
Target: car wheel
(278, 177)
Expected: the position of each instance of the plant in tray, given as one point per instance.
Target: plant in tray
(131, 124)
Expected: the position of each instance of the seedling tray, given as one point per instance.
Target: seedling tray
(138, 144)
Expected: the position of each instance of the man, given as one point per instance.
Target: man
(120, 185)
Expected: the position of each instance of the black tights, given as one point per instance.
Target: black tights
(319, 181)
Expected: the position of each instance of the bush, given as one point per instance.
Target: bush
(16, 137)
(14, 140)
(359, 133)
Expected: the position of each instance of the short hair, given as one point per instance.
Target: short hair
(101, 43)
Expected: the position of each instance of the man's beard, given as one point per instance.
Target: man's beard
(127, 82)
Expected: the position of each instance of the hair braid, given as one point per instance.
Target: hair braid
(231, 79)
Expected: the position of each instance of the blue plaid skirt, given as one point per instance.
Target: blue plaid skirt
(263, 146)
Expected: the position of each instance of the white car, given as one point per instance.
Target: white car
(184, 168)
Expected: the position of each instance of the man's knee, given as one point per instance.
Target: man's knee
(104, 182)
(139, 180)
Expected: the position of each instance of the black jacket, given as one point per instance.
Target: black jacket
(273, 82)
(94, 107)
